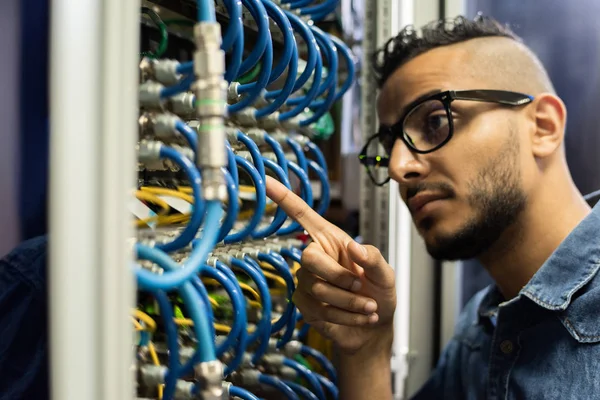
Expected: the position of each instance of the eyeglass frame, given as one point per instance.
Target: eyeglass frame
(504, 97)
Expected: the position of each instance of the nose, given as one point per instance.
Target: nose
(405, 166)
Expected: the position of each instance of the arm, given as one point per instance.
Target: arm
(367, 373)
(23, 326)
(347, 293)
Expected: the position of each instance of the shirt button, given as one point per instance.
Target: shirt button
(506, 346)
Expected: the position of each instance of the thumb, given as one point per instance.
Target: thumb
(375, 266)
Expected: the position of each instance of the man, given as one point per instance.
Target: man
(474, 134)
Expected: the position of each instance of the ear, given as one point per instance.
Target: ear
(550, 116)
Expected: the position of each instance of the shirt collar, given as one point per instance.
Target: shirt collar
(573, 264)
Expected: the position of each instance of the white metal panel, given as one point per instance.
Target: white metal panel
(93, 104)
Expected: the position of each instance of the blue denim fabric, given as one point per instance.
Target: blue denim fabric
(23, 323)
(543, 344)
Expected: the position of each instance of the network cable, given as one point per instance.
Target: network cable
(308, 375)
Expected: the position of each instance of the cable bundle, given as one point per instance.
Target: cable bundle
(216, 260)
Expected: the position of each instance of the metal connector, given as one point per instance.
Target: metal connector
(182, 104)
(184, 390)
(165, 71)
(149, 95)
(226, 389)
(210, 377)
(245, 155)
(291, 124)
(233, 95)
(270, 156)
(257, 135)
(152, 375)
(271, 121)
(246, 117)
(292, 348)
(149, 151)
(164, 125)
(274, 246)
(287, 373)
(249, 377)
(252, 252)
(185, 151)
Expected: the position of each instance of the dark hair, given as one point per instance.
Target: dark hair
(408, 43)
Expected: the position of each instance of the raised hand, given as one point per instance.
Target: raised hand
(345, 291)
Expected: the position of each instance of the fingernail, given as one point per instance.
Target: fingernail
(356, 285)
(370, 307)
(373, 318)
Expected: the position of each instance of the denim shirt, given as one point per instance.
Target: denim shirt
(23, 323)
(542, 344)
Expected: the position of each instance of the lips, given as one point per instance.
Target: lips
(420, 200)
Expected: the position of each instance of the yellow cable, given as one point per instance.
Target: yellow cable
(247, 189)
(220, 328)
(254, 304)
(137, 325)
(183, 322)
(185, 189)
(168, 192)
(145, 318)
(249, 289)
(267, 266)
(276, 278)
(213, 302)
(151, 198)
(156, 362)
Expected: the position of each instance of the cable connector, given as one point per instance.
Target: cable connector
(270, 156)
(233, 95)
(226, 389)
(160, 125)
(291, 124)
(292, 348)
(182, 104)
(184, 390)
(287, 373)
(271, 121)
(295, 242)
(152, 375)
(252, 252)
(185, 151)
(245, 155)
(257, 135)
(274, 246)
(149, 95)
(246, 117)
(249, 377)
(149, 151)
(210, 377)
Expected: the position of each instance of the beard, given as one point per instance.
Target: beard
(497, 198)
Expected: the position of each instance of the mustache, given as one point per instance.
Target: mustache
(436, 187)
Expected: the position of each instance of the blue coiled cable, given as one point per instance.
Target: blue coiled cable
(327, 384)
(278, 150)
(192, 300)
(280, 215)
(176, 275)
(306, 195)
(258, 48)
(299, 3)
(321, 359)
(322, 108)
(298, 152)
(233, 208)
(235, 29)
(232, 165)
(279, 385)
(263, 328)
(241, 393)
(307, 375)
(238, 305)
(301, 391)
(193, 175)
(288, 88)
(291, 254)
(188, 133)
(283, 269)
(325, 188)
(206, 11)
(182, 86)
(203, 293)
(259, 210)
(252, 147)
(317, 154)
(166, 312)
(312, 53)
(345, 52)
(254, 90)
(242, 342)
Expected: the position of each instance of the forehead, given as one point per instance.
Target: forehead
(443, 68)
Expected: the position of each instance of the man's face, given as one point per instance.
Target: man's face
(463, 196)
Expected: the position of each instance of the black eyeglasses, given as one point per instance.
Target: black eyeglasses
(425, 127)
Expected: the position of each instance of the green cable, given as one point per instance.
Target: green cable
(251, 75)
(180, 22)
(164, 35)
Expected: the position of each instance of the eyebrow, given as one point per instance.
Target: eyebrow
(418, 100)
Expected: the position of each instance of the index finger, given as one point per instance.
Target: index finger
(295, 207)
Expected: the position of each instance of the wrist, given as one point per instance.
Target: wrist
(379, 346)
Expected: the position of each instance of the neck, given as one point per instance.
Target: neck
(526, 245)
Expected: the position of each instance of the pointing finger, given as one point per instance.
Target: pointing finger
(295, 207)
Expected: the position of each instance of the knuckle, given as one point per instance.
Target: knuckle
(310, 254)
(319, 289)
(352, 302)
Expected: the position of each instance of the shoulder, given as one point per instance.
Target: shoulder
(26, 264)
